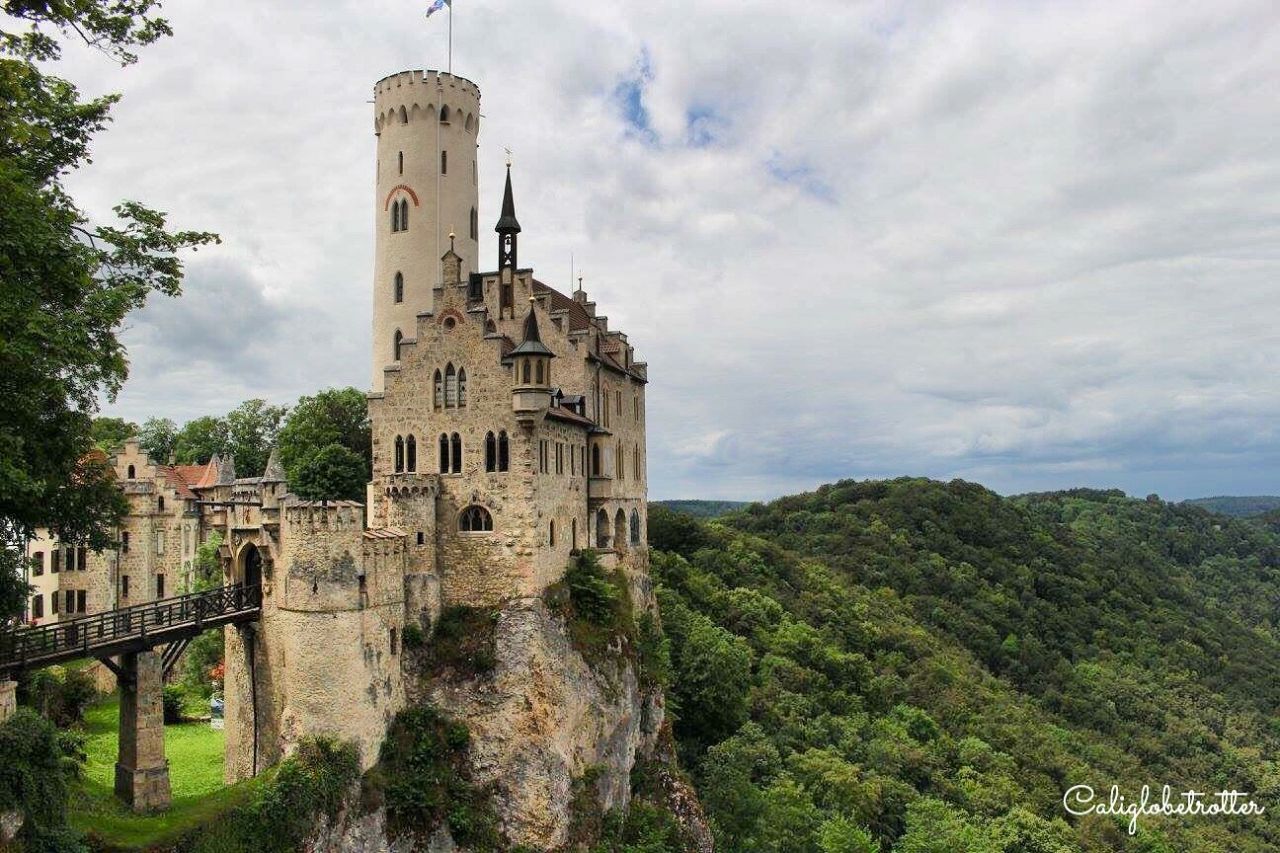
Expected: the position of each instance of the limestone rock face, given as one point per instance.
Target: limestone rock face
(544, 717)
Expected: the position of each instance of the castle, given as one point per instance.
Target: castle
(508, 434)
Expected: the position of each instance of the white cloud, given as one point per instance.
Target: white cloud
(1033, 245)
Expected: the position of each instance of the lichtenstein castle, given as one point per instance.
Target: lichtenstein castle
(508, 433)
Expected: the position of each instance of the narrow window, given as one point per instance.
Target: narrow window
(395, 216)
(37, 563)
(81, 601)
(124, 586)
(602, 529)
(444, 162)
(399, 287)
(404, 116)
(160, 503)
(504, 451)
(490, 452)
(392, 642)
(475, 225)
(159, 586)
(404, 214)
(402, 162)
(54, 607)
(55, 562)
(124, 543)
(439, 385)
(37, 607)
(635, 458)
(444, 453)
(462, 386)
(132, 473)
(595, 461)
(539, 379)
(551, 533)
(573, 535)
(411, 454)
(622, 462)
(395, 345)
(525, 373)
(444, 115)
(507, 301)
(635, 527)
(455, 445)
(160, 542)
(450, 387)
(617, 400)
(422, 538)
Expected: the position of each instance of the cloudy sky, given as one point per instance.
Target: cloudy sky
(1032, 244)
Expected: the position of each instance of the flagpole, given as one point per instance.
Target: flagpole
(450, 38)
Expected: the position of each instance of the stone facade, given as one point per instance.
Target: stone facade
(142, 772)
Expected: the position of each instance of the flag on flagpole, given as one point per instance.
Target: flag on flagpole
(437, 5)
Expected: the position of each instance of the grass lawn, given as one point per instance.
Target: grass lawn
(195, 753)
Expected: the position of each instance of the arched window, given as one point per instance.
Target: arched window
(635, 460)
(395, 216)
(399, 287)
(404, 214)
(539, 380)
(620, 530)
(504, 451)
(462, 386)
(404, 116)
(621, 463)
(475, 225)
(444, 453)
(439, 386)
(635, 527)
(402, 162)
(444, 114)
(395, 345)
(399, 454)
(602, 529)
(490, 452)
(525, 373)
(455, 446)
(573, 535)
(551, 533)
(450, 386)
(411, 454)
(475, 519)
(595, 461)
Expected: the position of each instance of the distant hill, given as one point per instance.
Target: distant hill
(710, 509)
(1238, 507)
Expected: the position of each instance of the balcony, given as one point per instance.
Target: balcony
(599, 489)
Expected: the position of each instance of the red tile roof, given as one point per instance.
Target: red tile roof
(578, 316)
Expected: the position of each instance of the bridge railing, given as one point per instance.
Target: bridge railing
(20, 645)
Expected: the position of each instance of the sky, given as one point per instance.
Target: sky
(1034, 245)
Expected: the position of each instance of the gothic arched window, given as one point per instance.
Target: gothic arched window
(444, 453)
(595, 461)
(504, 451)
(399, 287)
(462, 386)
(404, 214)
(621, 463)
(395, 216)
(620, 530)
(399, 454)
(439, 386)
(450, 386)
(404, 116)
(635, 527)
(602, 529)
(475, 519)
(411, 454)
(444, 114)
(490, 452)
(455, 447)
(395, 345)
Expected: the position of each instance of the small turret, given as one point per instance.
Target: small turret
(531, 361)
(274, 472)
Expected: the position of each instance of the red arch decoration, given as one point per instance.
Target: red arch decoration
(386, 205)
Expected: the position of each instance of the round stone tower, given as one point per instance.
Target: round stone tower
(427, 124)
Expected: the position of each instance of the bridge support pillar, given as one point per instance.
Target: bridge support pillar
(8, 699)
(142, 772)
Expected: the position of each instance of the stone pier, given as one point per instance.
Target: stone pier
(8, 699)
(142, 772)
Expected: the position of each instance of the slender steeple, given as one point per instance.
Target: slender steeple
(508, 227)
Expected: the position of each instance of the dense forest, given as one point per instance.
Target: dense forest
(702, 509)
(922, 666)
(1237, 506)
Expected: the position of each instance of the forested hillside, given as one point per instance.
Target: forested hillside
(703, 509)
(921, 666)
(1239, 507)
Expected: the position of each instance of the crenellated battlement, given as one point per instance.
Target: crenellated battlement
(415, 96)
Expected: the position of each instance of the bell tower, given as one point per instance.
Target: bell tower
(427, 125)
(508, 228)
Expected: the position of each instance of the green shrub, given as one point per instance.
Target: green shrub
(201, 659)
(39, 764)
(310, 784)
(464, 642)
(60, 694)
(592, 595)
(172, 698)
(423, 780)
(414, 637)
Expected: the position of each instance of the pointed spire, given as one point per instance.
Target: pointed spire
(532, 343)
(275, 471)
(507, 222)
(226, 471)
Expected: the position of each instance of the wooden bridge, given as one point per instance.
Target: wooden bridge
(126, 641)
